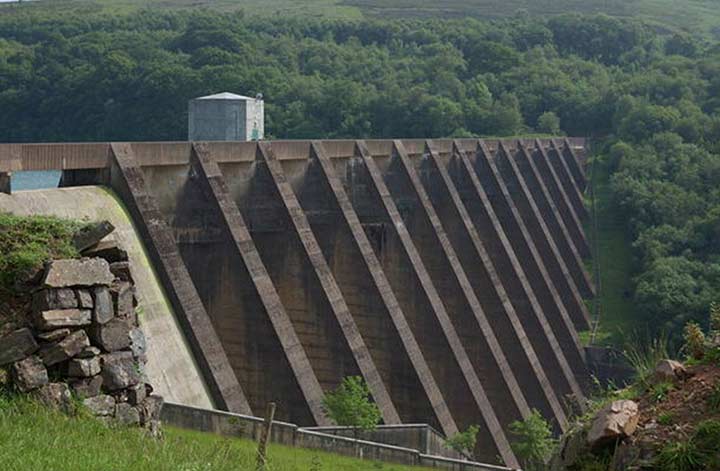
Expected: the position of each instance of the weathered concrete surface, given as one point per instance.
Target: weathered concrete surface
(127, 177)
(217, 193)
(513, 290)
(540, 291)
(327, 284)
(294, 264)
(374, 305)
(549, 256)
(559, 200)
(547, 230)
(175, 376)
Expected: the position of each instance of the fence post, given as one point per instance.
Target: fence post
(265, 436)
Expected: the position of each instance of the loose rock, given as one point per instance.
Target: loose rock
(87, 387)
(83, 367)
(88, 352)
(16, 346)
(91, 234)
(616, 421)
(119, 371)
(100, 405)
(84, 299)
(50, 299)
(49, 320)
(108, 250)
(126, 414)
(121, 270)
(151, 408)
(137, 394)
(55, 395)
(103, 311)
(112, 336)
(29, 374)
(123, 300)
(65, 349)
(53, 335)
(670, 370)
(84, 272)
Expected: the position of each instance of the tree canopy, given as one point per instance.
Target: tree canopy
(652, 98)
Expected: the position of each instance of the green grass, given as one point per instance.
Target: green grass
(689, 15)
(27, 242)
(33, 437)
(616, 311)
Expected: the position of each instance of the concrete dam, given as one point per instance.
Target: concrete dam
(448, 274)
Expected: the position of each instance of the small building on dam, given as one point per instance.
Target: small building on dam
(447, 273)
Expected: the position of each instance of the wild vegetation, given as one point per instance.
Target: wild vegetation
(649, 97)
(679, 414)
(45, 439)
(700, 16)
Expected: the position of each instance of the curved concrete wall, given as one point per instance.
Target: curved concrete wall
(171, 367)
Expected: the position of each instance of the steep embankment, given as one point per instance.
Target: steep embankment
(171, 367)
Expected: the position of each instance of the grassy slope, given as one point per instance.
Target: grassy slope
(690, 15)
(613, 246)
(32, 438)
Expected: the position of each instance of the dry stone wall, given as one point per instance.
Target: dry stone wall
(83, 339)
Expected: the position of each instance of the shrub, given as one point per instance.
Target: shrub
(715, 318)
(350, 405)
(694, 340)
(713, 400)
(659, 391)
(706, 439)
(665, 418)
(464, 442)
(643, 354)
(533, 444)
(681, 456)
(548, 123)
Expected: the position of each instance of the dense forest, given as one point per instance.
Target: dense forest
(651, 100)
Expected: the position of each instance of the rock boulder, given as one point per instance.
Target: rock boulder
(55, 395)
(91, 234)
(119, 371)
(29, 374)
(83, 367)
(59, 318)
(670, 370)
(84, 272)
(112, 336)
(50, 299)
(616, 421)
(17, 345)
(100, 405)
(109, 250)
(66, 348)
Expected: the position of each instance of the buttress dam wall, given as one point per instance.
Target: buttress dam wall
(448, 274)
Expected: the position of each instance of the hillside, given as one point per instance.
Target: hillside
(689, 15)
(88, 444)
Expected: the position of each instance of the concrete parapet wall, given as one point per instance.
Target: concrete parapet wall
(283, 433)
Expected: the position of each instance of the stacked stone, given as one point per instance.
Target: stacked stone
(85, 339)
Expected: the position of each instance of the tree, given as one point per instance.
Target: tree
(549, 123)
(534, 443)
(350, 405)
(464, 442)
